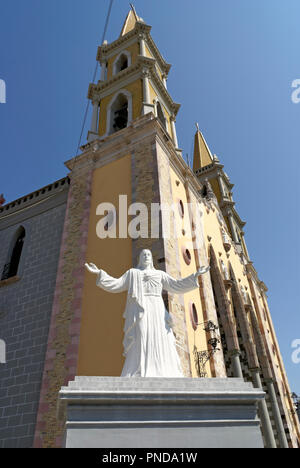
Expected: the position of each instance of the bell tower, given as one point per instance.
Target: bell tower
(133, 83)
(207, 167)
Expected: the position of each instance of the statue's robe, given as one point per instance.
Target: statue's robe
(149, 342)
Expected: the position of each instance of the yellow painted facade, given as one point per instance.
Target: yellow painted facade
(195, 337)
(213, 231)
(101, 334)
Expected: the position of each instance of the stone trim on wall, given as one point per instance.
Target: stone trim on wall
(223, 302)
(63, 341)
(244, 324)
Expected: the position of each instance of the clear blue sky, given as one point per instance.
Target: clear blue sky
(233, 63)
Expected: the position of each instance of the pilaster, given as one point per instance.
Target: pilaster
(63, 340)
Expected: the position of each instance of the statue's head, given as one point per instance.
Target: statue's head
(145, 259)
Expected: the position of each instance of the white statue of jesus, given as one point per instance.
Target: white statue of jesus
(149, 342)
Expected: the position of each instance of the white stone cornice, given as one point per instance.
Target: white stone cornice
(110, 144)
(119, 78)
(34, 198)
(143, 129)
(171, 106)
(156, 53)
(109, 50)
(135, 71)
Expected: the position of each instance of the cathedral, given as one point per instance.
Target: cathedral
(53, 320)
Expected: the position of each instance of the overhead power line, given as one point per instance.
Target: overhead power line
(94, 78)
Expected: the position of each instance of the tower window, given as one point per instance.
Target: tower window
(11, 267)
(194, 315)
(161, 115)
(120, 114)
(122, 62)
(186, 255)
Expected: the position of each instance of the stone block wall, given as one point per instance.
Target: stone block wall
(25, 312)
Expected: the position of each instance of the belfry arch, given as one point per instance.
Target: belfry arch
(119, 112)
(122, 62)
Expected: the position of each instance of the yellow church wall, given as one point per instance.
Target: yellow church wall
(134, 52)
(101, 333)
(136, 91)
(211, 226)
(195, 338)
(212, 230)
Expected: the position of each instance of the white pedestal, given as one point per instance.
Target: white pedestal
(118, 412)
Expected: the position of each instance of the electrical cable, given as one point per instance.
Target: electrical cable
(94, 77)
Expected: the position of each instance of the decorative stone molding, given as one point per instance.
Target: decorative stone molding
(134, 72)
(244, 324)
(34, 197)
(224, 308)
(63, 340)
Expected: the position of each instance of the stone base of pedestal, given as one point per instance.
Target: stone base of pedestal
(117, 412)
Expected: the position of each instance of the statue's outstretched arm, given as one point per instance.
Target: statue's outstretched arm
(185, 284)
(92, 268)
(107, 282)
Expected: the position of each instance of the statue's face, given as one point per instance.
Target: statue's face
(146, 257)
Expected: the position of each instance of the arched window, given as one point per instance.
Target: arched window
(161, 115)
(122, 61)
(11, 267)
(119, 112)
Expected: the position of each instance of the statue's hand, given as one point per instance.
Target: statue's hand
(92, 268)
(203, 270)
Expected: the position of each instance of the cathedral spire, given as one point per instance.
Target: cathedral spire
(130, 21)
(202, 153)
